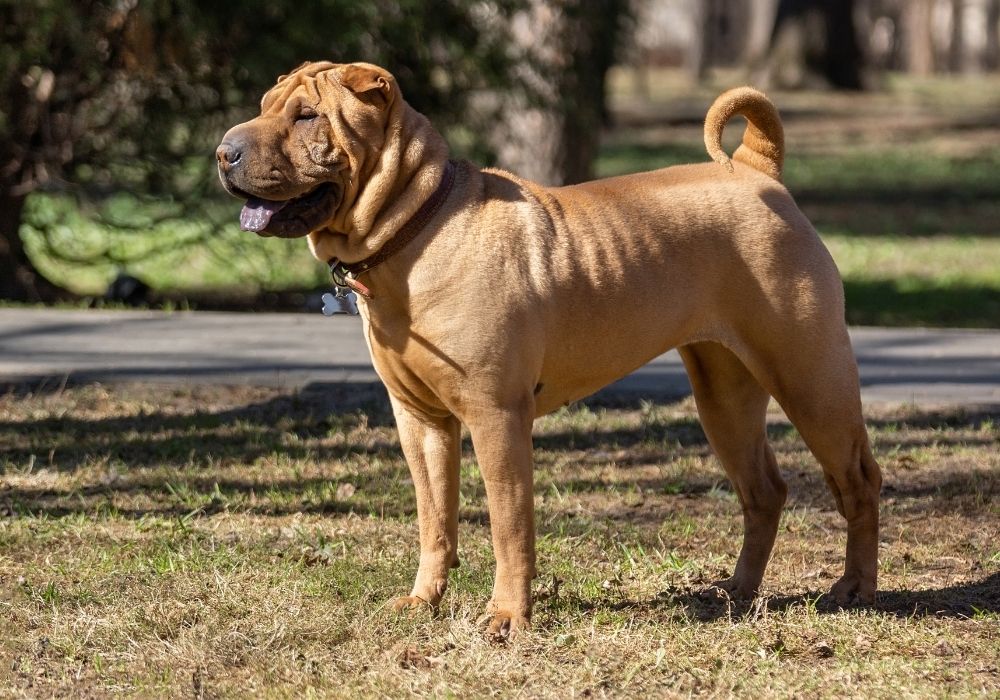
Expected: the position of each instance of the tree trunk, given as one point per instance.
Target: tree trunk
(815, 38)
(760, 25)
(991, 55)
(698, 56)
(918, 40)
(956, 49)
(552, 132)
(843, 62)
(720, 36)
(19, 280)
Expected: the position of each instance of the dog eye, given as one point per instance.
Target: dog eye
(307, 114)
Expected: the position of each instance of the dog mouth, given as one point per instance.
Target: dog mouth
(289, 218)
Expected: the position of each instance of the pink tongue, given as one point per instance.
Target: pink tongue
(256, 213)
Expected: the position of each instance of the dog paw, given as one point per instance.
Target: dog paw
(731, 588)
(853, 590)
(504, 626)
(429, 597)
(410, 604)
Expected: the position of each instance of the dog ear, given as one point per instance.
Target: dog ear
(369, 83)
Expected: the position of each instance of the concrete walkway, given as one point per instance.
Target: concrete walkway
(923, 367)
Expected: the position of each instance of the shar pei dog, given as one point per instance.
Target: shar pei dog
(488, 300)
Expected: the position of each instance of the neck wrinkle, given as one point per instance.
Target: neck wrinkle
(407, 172)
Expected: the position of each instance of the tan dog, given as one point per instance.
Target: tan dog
(513, 299)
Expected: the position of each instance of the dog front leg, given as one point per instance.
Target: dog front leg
(432, 447)
(502, 440)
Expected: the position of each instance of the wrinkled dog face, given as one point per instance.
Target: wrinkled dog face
(298, 163)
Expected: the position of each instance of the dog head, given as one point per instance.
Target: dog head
(319, 135)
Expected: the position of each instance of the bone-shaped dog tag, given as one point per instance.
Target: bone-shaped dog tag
(343, 302)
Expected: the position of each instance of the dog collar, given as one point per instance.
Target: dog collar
(346, 274)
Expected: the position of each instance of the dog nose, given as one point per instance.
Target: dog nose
(229, 154)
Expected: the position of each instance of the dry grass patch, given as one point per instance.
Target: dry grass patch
(243, 542)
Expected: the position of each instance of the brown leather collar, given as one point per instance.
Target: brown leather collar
(409, 230)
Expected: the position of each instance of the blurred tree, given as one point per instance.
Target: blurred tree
(918, 39)
(720, 36)
(104, 97)
(991, 56)
(39, 123)
(816, 37)
(956, 47)
(550, 130)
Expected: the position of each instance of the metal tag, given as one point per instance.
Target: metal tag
(342, 301)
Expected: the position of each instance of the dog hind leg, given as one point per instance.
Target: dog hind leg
(732, 408)
(839, 441)
(819, 393)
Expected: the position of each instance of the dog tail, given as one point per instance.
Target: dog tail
(764, 139)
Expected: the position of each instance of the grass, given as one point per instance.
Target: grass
(231, 542)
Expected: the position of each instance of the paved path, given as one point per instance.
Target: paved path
(924, 367)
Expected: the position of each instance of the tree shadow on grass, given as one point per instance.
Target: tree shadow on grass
(285, 425)
(165, 463)
(281, 424)
(675, 432)
(921, 303)
(209, 495)
(139, 448)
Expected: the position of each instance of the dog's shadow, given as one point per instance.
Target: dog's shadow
(959, 601)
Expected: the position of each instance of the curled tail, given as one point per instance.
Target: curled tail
(764, 140)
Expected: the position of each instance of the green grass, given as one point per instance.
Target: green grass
(943, 280)
(243, 542)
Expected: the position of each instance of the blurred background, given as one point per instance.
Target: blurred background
(110, 112)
